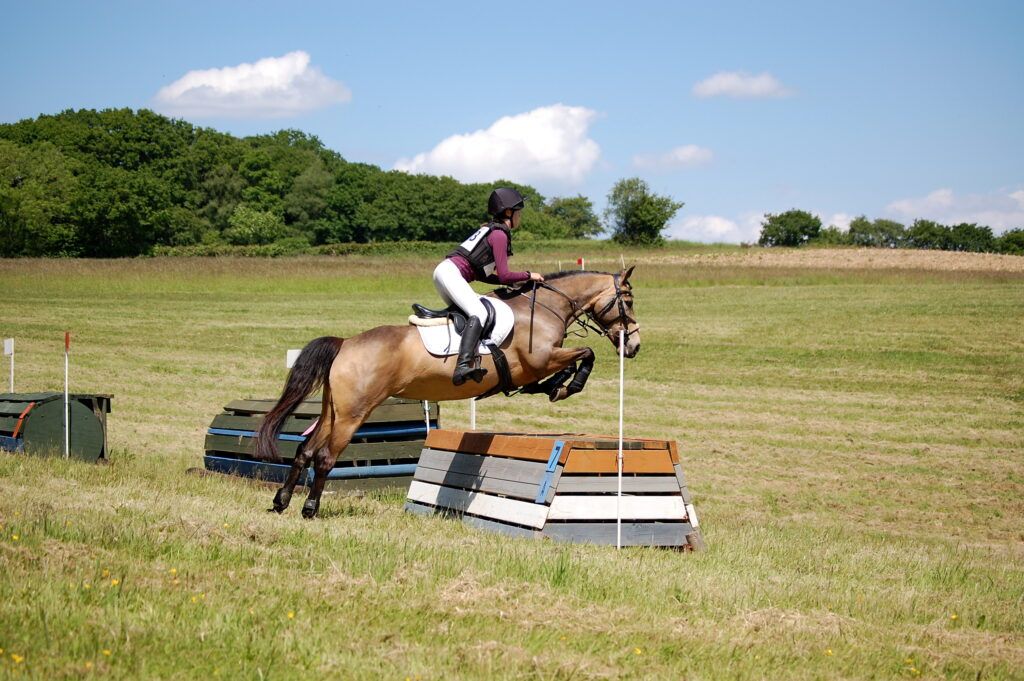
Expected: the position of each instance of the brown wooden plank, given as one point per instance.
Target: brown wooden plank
(604, 461)
(471, 442)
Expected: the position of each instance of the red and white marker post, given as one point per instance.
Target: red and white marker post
(582, 262)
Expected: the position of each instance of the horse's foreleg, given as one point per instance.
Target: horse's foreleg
(551, 383)
(579, 379)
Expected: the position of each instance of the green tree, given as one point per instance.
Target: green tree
(249, 226)
(577, 213)
(636, 215)
(928, 234)
(792, 228)
(1011, 242)
(970, 237)
(832, 236)
(878, 234)
(36, 187)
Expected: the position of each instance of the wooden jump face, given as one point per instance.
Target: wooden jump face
(383, 453)
(563, 487)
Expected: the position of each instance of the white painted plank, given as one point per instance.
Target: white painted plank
(479, 504)
(603, 508)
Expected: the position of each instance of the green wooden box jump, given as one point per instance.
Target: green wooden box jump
(33, 423)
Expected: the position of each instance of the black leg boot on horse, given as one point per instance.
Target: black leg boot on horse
(467, 368)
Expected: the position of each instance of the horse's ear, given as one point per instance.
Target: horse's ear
(626, 273)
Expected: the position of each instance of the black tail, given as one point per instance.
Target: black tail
(311, 370)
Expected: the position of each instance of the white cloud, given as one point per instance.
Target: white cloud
(741, 85)
(548, 144)
(840, 220)
(274, 87)
(1000, 210)
(680, 157)
(716, 229)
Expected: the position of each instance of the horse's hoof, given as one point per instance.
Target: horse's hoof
(310, 508)
(558, 395)
(281, 501)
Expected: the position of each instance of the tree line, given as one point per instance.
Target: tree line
(799, 227)
(120, 182)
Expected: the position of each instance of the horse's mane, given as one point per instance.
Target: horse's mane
(569, 273)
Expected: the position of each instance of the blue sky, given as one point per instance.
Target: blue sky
(890, 109)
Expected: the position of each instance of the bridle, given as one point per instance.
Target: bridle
(588, 320)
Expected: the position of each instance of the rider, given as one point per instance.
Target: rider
(484, 256)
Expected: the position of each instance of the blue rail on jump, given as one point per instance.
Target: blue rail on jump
(365, 431)
(12, 444)
(276, 472)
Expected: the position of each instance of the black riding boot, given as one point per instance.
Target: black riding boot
(466, 366)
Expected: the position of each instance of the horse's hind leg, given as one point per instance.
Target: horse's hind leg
(284, 495)
(323, 463)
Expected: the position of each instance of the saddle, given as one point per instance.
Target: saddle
(424, 316)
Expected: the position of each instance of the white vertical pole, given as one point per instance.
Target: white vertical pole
(618, 499)
(67, 400)
(9, 350)
(426, 415)
(583, 263)
(472, 414)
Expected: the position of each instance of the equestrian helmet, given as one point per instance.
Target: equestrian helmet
(504, 198)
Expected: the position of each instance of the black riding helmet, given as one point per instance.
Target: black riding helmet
(504, 198)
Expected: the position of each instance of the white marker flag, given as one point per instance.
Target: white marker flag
(8, 347)
(290, 357)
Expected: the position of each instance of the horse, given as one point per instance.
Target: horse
(358, 373)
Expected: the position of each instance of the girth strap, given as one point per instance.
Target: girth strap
(505, 384)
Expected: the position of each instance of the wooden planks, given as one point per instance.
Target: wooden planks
(562, 487)
(387, 445)
(479, 504)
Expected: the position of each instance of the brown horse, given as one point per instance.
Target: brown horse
(359, 373)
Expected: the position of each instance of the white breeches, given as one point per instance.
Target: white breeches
(454, 290)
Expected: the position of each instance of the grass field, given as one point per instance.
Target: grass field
(851, 425)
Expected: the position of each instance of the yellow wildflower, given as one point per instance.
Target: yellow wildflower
(106, 573)
(291, 615)
(15, 537)
(18, 659)
(173, 571)
(115, 582)
(953, 616)
(637, 651)
(106, 652)
(828, 651)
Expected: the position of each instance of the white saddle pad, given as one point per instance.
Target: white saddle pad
(441, 339)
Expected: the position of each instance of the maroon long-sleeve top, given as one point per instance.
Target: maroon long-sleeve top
(498, 241)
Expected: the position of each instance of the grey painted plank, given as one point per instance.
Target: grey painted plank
(515, 470)
(609, 484)
(473, 521)
(477, 483)
(512, 470)
(633, 534)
